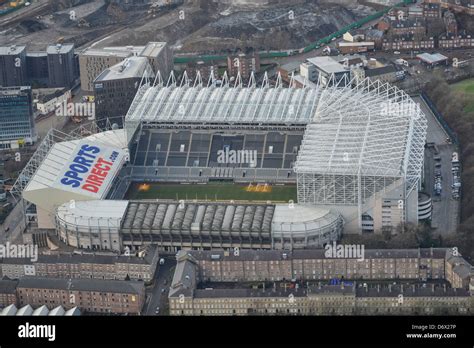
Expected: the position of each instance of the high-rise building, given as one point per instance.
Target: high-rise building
(116, 87)
(37, 66)
(61, 65)
(13, 66)
(160, 57)
(94, 61)
(16, 117)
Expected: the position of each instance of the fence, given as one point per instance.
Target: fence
(452, 135)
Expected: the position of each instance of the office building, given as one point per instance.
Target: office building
(13, 66)
(116, 87)
(160, 57)
(61, 65)
(37, 67)
(16, 117)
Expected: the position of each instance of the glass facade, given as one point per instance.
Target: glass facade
(16, 116)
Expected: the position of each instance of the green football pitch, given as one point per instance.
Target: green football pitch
(466, 87)
(212, 192)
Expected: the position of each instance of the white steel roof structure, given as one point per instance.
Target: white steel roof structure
(195, 103)
(362, 139)
(370, 132)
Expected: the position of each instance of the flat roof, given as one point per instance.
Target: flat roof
(153, 49)
(99, 213)
(431, 58)
(361, 43)
(132, 67)
(11, 50)
(59, 48)
(113, 51)
(327, 64)
(8, 91)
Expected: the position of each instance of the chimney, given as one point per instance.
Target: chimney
(378, 287)
(389, 287)
(432, 288)
(413, 288)
(444, 286)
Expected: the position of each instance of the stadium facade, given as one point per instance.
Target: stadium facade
(354, 150)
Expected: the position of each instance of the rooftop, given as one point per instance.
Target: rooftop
(112, 286)
(84, 258)
(153, 49)
(373, 129)
(327, 64)
(59, 48)
(111, 52)
(8, 286)
(11, 50)
(132, 67)
(431, 58)
(224, 104)
(309, 254)
(13, 91)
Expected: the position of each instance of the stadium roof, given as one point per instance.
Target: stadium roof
(353, 127)
(373, 129)
(98, 213)
(301, 219)
(198, 216)
(44, 173)
(198, 104)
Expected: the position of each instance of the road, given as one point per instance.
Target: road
(15, 221)
(445, 209)
(155, 296)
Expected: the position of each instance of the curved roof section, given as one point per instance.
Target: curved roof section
(300, 218)
(89, 214)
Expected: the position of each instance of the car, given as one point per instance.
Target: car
(163, 290)
(7, 229)
(157, 311)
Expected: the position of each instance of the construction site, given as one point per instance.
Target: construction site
(189, 26)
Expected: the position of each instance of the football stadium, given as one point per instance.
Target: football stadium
(230, 165)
